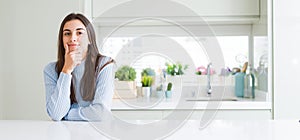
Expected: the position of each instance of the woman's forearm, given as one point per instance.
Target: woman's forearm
(57, 95)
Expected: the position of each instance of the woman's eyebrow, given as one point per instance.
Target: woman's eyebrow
(80, 29)
(66, 30)
(76, 29)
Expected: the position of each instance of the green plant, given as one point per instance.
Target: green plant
(169, 88)
(147, 81)
(176, 69)
(148, 72)
(126, 73)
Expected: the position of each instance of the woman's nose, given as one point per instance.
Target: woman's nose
(74, 37)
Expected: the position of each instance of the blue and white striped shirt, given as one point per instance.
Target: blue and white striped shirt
(58, 101)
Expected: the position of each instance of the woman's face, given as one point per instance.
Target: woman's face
(75, 36)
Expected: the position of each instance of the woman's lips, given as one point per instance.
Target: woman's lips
(72, 46)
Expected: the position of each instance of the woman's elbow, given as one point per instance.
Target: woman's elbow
(55, 117)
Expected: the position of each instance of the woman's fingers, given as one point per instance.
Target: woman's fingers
(66, 49)
(76, 57)
(73, 56)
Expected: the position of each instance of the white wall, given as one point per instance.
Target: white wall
(30, 30)
(1, 67)
(1, 85)
(4, 39)
(286, 59)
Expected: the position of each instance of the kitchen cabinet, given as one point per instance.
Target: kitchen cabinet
(205, 8)
(229, 114)
(243, 109)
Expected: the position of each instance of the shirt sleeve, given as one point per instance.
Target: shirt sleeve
(57, 92)
(100, 107)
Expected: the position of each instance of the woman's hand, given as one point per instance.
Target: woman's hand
(73, 57)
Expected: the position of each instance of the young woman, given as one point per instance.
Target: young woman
(79, 85)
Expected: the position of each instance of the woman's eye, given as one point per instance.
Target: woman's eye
(66, 34)
(79, 33)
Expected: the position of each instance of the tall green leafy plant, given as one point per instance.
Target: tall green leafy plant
(147, 81)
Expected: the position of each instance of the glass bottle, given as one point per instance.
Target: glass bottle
(249, 83)
(262, 78)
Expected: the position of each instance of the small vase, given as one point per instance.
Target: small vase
(146, 92)
(168, 94)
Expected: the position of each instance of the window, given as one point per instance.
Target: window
(129, 50)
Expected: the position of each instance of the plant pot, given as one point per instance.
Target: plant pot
(125, 85)
(168, 94)
(176, 82)
(146, 91)
(159, 94)
(125, 89)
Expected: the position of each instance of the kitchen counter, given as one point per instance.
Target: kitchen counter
(260, 102)
(259, 108)
(216, 130)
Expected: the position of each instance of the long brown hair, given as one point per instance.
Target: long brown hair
(88, 81)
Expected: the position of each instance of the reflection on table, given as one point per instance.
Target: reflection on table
(217, 129)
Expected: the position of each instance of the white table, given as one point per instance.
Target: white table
(216, 130)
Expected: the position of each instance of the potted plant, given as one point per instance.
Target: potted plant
(159, 91)
(146, 85)
(125, 73)
(150, 72)
(169, 90)
(175, 69)
(125, 85)
(174, 74)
